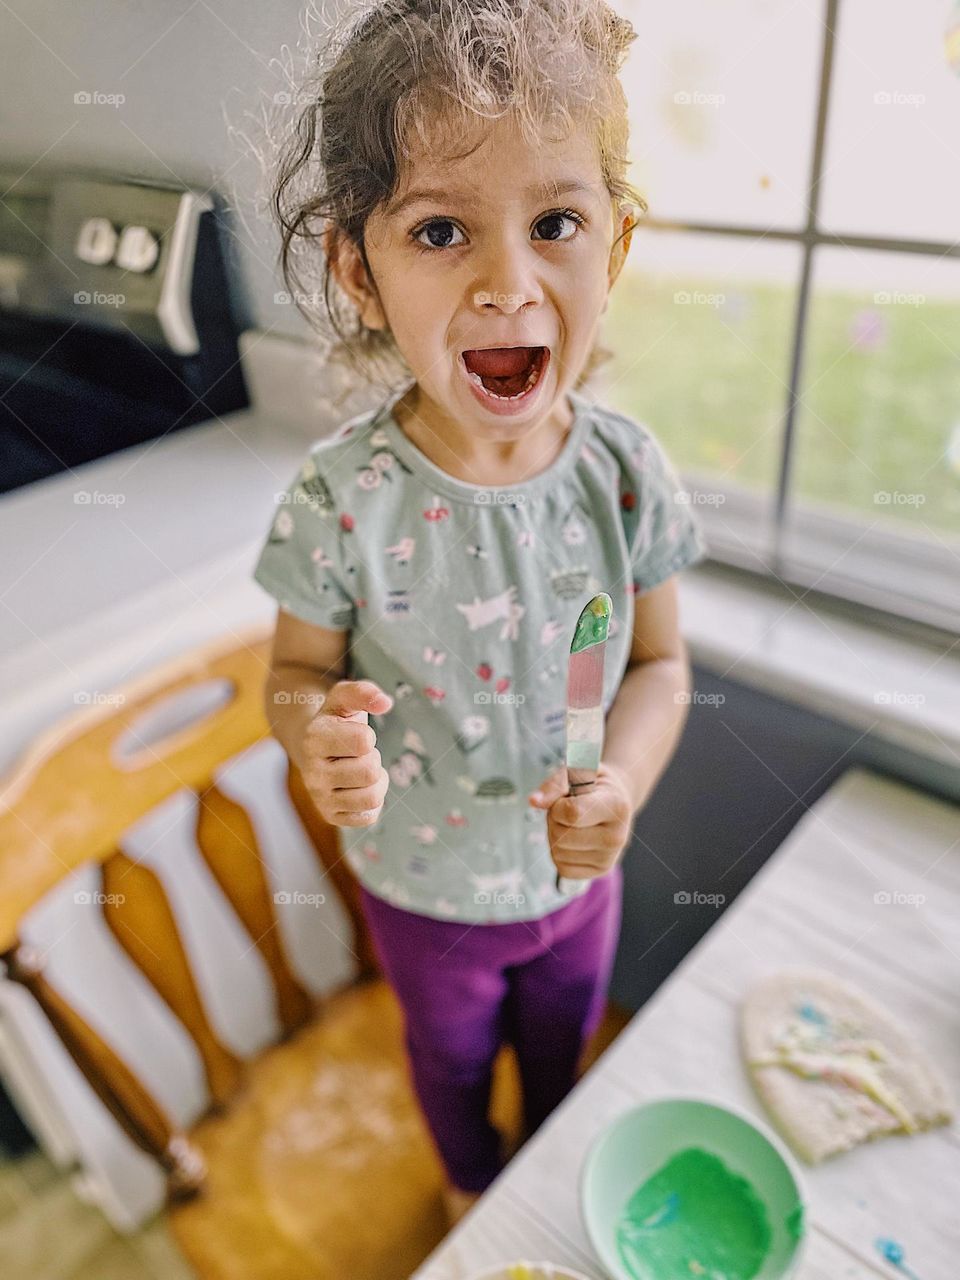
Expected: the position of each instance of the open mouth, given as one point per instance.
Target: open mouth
(506, 373)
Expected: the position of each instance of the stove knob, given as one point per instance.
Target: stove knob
(96, 242)
(138, 249)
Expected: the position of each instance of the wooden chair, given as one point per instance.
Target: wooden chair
(175, 911)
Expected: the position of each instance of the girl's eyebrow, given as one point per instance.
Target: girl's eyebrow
(446, 195)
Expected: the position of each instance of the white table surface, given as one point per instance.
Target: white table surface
(811, 904)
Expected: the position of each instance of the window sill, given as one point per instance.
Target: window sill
(899, 688)
(885, 566)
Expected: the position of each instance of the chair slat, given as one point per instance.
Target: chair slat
(228, 844)
(126, 1097)
(137, 910)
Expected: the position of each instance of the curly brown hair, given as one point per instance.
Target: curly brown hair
(428, 69)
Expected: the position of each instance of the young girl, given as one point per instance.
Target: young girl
(460, 177)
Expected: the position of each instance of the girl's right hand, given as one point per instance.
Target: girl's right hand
(341, 768)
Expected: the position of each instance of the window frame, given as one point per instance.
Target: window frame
(909, 560)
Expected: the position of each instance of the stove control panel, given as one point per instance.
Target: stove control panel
(115, 255)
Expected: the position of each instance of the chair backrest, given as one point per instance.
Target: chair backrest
(169, 897)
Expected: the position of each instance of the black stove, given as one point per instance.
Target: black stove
(116, 320)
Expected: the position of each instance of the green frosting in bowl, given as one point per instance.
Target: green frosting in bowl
(693, 1218)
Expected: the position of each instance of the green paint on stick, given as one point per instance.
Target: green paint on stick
(694, 1217)
(593, 623)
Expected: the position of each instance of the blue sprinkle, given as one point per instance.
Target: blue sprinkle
(812, 1014)
(890, 1250)
(894, 1252)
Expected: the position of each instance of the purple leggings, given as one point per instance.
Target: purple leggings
(464, 989)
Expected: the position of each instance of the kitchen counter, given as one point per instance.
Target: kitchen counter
(812, 904)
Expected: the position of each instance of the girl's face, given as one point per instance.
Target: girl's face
(507, 247)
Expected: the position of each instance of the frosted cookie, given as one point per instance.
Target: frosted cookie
(833, 1068)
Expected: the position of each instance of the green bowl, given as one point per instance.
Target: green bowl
(642, 1140)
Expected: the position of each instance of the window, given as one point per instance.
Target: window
(788, 319)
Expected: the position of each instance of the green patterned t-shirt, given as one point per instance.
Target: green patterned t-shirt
(461, 602)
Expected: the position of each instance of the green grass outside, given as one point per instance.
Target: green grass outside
(710, 378)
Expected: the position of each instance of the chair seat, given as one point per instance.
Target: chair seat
(323, 1166)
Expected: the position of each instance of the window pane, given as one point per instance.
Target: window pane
(893, 148)
(723, 103)
(701, 329)
(877, 461)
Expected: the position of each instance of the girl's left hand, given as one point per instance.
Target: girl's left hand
(587, 832)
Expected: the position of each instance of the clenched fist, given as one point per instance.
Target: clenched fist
(587, 832)
(341, 764)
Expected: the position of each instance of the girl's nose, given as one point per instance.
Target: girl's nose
(508, 278)
(508, 303)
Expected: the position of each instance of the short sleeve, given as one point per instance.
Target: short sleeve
(667, 535)
(301, 564)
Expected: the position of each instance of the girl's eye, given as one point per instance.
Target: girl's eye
(439, 228)
(554, 221)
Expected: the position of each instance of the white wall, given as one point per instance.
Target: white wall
(180, 65)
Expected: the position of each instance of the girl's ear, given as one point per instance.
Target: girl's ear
(350, 272)
(618, 254)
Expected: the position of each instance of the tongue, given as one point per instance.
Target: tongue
(499, 362)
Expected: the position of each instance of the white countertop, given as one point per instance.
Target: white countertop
(812, 904)
(94, 594)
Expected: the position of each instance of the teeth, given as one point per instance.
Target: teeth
(531, 379)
